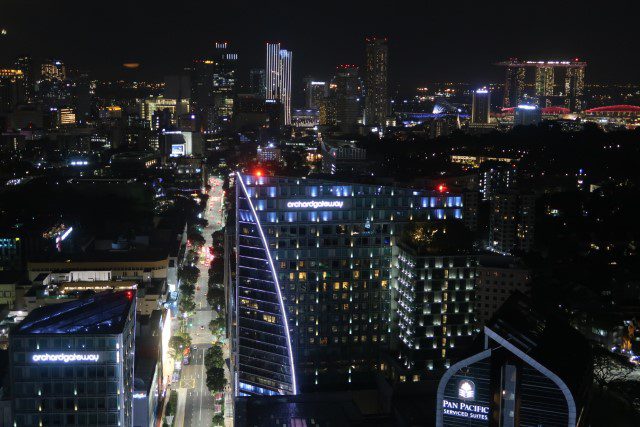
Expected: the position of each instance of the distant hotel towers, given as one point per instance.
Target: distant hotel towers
(278, 78)
(568, 93)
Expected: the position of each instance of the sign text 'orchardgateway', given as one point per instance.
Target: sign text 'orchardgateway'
(465, 410)
(315, 204)
(65, 357)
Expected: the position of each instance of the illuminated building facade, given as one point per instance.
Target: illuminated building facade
(54, 70)
(315, 92)
(319, 251)
(278, 77)
(511, 222)
(480, 107)
(376, 107)
(346, 90)
(568, 93)
(435, 310)
(11, 89)
(529, 368)
(72, 363)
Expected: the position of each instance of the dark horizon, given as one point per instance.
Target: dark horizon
(428, 42)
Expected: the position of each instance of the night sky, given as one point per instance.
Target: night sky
(429, 41)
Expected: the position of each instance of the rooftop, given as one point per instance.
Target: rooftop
(103, 313)
(544, 336)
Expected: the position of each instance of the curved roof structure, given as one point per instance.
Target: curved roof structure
(555, 110)
(621, 108)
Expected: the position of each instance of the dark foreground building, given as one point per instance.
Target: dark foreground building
(531, 369)
(72, 363)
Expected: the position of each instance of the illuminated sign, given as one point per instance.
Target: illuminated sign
(177, 150)
(65, 357)
(465, 410)
(139, 395)
(316, 204)
(466, 390)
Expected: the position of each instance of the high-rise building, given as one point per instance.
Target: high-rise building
(54, 70)
(496, 177)
(278, 77)
(511, 222)
(480, 107)
(313, 290)
(224, 82)
(375, 82)
(257, 82)
(11, 89)
(435, 311)
(72, 363)
(25, 64)
(530, 368)
(346, 90)
(570, 96)
(315, 93)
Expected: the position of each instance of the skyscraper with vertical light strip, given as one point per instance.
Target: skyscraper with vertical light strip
(278, 77)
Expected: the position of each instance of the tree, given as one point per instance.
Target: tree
(213, 357)
(186, 304)
(195, 238)
(179, 342)
(218, 419)
(217, 325)
(187, 289)
(215, 379)
(215, 296)
(609, 368)
(189, 274)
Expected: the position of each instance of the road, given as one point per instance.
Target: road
(195, 403)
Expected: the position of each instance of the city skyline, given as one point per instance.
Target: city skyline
(426, 42)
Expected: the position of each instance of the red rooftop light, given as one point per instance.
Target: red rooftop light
(442, 188)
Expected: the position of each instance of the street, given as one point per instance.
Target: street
(195, 402)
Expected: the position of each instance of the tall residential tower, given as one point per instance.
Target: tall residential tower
(376, 73)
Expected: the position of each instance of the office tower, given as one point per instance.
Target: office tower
(435, 310)
(511, 222)
(314, 93)
(224, 82)
(11, 89)
(278, 78)
(319, 251)
(202, 104)
(54, 70)
(25, 64)
(375, 82)
(72, 363)
(527, 114)
(346, 91)
(480, 107)
(571, 96)
(257, 82)
(531, 368)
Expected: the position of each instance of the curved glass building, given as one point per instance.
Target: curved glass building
(264, 359)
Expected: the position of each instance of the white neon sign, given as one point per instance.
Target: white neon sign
(465, 410)
(466, 390)
(65, 357)
(315, 204)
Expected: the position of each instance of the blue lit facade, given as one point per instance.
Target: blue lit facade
(72, 363)
(330, 256)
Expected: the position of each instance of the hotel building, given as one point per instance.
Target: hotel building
(529, 368)
(313, 291)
